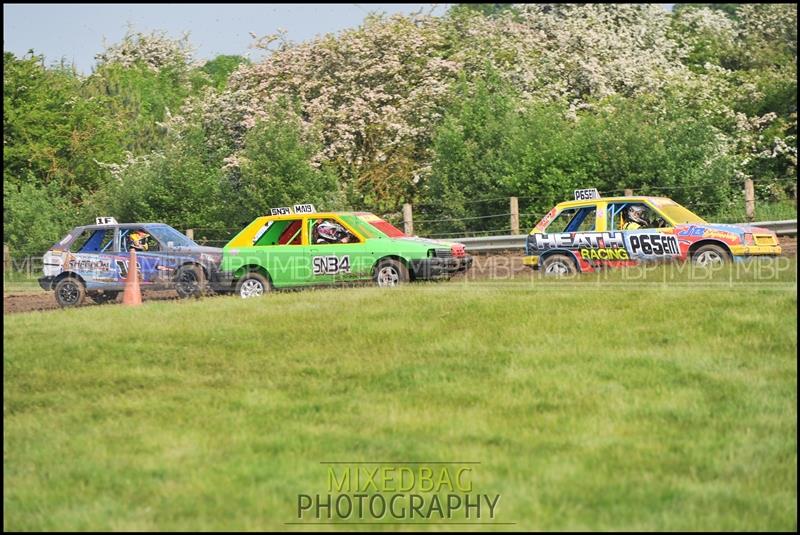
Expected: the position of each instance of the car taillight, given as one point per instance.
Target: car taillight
(748, 239)
(458, 249)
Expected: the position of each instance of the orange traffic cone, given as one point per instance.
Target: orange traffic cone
(133, 294)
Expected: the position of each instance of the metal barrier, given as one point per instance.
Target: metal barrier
(781, 228)
(485, 244)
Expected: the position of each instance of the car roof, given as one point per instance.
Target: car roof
(627, 198)
(120, 225)
(316, 215)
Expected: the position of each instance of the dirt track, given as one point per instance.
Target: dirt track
(41, 300)
(484, 266)
(789, 246)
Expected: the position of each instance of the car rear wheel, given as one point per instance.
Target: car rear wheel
(70, 292)
(103, 297)
(709, 255)
(252, 285)
(189, 281)
(390, 273)
(559, 265)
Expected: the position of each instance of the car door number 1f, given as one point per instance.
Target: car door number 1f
(331, 265)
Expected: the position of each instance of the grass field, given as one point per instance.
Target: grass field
(589, 405)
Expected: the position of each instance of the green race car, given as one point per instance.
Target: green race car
(299, 247)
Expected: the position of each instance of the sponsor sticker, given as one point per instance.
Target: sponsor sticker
(583, 240)
(546, 219)
(331, 264)
(604, 253)
(653, 244)
(298, 209)
(304, 209)
(697, 232)
(89, 263)
(586, 194)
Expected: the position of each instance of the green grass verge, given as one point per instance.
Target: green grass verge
(653, 407)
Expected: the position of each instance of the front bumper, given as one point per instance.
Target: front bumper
(434, 267)
(532, 261)
(756, 250)
(46, 283)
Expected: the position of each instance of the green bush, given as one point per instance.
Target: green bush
(34, 219)
(180, 187)
(52, 133)
(275, 169)
(492, 146)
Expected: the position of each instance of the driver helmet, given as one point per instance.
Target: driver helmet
(636, 214)
(330, 232)
(139, 240)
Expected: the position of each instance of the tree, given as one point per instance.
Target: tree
(488, 10)
(727, 9)
(220, 68)
(275, 169)
(51, 133)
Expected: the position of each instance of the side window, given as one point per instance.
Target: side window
(588, 218)
(633, 216)
(139, 239)
(94, 241)
(79, 242)
(329, 231)
(560, 222)
(581, 219)
(282, 232)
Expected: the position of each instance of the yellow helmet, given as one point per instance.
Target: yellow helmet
(139, 239)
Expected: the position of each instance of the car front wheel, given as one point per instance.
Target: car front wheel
(252, 285)
(709, 255)
(70, 292)
(390, 273)
(559, 265)
(189, 282)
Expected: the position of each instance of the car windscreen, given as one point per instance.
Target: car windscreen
(382, 225)
(678, 214)
(363, 228)
(170, 237)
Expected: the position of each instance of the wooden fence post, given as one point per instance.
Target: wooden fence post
(6, 258)
(190, 233)
(408, 220)
(514, 209)
(628, 192)
(749, 200)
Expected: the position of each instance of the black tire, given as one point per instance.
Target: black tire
(390, 273)
(253, 284)
(103, 297)
(710, 255)
(190, 281)
(70, 292)
(559, 265)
